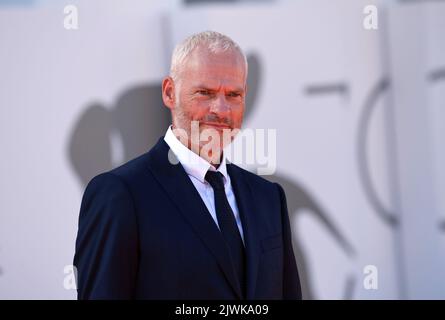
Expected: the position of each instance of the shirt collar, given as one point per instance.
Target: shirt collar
(193, 164)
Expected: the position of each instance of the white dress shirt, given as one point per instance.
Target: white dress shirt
(196, 168)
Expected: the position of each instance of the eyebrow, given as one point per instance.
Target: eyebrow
(204, 87)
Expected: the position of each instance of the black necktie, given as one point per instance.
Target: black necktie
(227, 224)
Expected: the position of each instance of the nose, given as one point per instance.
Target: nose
(219, 105)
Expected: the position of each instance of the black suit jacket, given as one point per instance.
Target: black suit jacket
(145, 233)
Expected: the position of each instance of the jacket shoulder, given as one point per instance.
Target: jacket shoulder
(128, 172)
(253, 179)
(132, 167)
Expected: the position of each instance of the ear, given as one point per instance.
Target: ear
(168, 92)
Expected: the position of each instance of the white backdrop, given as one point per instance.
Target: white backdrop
(417, 65)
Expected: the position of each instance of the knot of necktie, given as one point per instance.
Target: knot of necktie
(215, 179)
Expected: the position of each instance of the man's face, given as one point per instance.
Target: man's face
(211, 89)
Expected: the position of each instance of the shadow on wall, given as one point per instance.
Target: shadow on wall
(104, 137)
(435, 77)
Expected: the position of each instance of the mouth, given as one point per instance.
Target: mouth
(216, 125)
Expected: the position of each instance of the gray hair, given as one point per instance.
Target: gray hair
(214, 41)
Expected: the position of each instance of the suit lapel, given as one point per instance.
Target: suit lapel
(247, 209)
(176, 183)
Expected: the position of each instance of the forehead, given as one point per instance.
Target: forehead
(214, 68)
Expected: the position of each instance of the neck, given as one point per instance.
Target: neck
(212, 155)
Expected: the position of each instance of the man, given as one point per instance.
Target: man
(180, 222)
